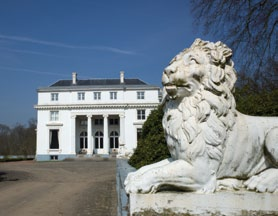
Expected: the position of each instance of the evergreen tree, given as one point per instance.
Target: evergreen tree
(152, 146)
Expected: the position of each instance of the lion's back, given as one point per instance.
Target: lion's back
(244, 153)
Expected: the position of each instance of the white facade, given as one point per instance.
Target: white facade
(91, 116)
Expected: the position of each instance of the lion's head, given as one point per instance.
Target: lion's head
(203, 65)
(198, 84)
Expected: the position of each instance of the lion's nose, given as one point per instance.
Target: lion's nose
(168, 71)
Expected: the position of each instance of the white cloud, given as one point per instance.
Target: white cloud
(31, 71)
(62, 45)
(31, 52)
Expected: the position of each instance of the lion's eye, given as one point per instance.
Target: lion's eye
(193, 60)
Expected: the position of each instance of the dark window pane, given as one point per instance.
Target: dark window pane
(54, 142)
(116, 142)
(111, 142)
(96, 143)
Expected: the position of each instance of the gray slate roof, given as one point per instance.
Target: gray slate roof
(98, 82)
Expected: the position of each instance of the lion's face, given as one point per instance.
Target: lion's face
(183, 75)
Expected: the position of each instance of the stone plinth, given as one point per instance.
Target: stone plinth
(220, 203)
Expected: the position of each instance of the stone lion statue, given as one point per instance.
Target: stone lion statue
(212, 145)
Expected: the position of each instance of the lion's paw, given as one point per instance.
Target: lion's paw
(266, 181)
(229, 184)
(132, 176)
(129, 177)
(137, 182)
(139, 186)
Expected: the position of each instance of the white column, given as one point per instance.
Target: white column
(122, 130)
(73, 134)
(105, 134)
(89, 132)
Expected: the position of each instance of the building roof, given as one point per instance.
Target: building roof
(99, 84)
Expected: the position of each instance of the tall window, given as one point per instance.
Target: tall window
(83, 122)
(97, 95)
(141, 114)
(113, 95)
(140, 95)
(83, 140)
(114, 139)
(54, 115)
(99, 140)
(54, 139)
(81, 95)
(113, 121)
(54, 96)
(98, 121)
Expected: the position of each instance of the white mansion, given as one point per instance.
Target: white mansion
(94, 116)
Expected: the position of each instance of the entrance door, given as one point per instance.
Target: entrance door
(83, 140)
(114, 141)
(99, 142)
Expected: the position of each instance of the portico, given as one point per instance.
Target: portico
(97, 133)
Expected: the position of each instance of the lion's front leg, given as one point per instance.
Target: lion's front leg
(178, 174)
(136, 174)
(136, 177)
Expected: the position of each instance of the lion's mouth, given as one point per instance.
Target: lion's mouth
(173, 90)
(172, 86)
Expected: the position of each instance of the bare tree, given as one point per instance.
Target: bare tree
(5, 132)
(249, 27)
(19, 140)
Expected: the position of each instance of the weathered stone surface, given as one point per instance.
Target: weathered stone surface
(219, 203)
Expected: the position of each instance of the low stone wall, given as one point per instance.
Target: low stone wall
(123, 168)
(224, 203)
(17, 156)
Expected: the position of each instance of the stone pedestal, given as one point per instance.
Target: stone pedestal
(241, 203)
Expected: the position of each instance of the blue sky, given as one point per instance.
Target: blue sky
(45, 41)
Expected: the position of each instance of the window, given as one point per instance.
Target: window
(141, 114)
(83, 140)
(54, 139)
(53, 157)
(139, 133)
(113, 95)
(98, 121)
(140, 95)
(54, 96)
(99, 140)
(83, 122)
(54, 115)
(81, 95)
(114, 140)
(114, 121)
(97, 95)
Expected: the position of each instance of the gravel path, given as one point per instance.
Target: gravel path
(77, 188)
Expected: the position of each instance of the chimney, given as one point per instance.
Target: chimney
(122, 77)
(74, 78)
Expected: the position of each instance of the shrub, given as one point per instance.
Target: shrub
(152, 146)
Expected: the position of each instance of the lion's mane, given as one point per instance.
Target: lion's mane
(209, 114)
